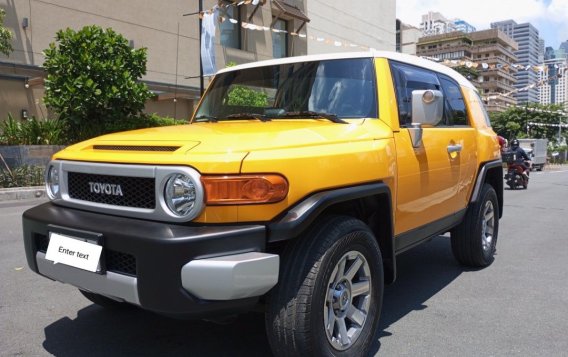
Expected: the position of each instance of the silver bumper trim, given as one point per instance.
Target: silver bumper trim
(231, 277)
(115, 286)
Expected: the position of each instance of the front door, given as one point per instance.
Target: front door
(430, 178)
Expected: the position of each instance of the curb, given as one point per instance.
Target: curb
(22, 193)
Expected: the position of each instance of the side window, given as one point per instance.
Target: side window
(454, 106)
(406, 79)
(483, 110)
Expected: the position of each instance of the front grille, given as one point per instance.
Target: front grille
(120, 262)
(117, 262)
(112, 190)
(136, 148)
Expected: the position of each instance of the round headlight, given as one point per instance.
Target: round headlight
(180, 195)
(52, 182)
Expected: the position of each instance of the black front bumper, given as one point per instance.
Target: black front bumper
(159, 251)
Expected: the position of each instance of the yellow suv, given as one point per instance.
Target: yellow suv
(294, 187)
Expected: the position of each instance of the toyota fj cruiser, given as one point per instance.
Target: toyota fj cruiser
(294, 187)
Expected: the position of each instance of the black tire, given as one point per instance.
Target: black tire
(299, 304)
(104, 301)
(473, 242)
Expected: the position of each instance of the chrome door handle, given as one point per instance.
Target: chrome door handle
(454, 148)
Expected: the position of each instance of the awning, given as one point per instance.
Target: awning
(288, 11)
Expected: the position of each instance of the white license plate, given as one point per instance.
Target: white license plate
(74, 252)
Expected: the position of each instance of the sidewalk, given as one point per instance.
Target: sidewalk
(22, 193)
(555, 167)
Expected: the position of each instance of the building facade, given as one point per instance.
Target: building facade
(530, 53)
(337, 27)
(463, 26)
(434, 23)
(272, 28)
(553, 88)
(564, 46)
(407, 38)
(489, 57)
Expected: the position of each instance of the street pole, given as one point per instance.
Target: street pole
(201, 83)
(527, 117)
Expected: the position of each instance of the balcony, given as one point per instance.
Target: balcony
(496, 86)
(494, 48)
(500, 73)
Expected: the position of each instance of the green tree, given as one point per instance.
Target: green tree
(468, 72)
(93, 80)
(533, 120)
(243, 96)
(5, 36)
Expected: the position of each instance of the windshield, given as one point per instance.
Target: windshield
(341, 88)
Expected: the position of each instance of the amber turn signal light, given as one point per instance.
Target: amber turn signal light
(244, 189)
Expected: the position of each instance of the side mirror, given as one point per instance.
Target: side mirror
(427, 109)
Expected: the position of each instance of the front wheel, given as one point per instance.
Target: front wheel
(329, 295)
(474, 240)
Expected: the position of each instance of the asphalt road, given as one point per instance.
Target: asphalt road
(516, 307)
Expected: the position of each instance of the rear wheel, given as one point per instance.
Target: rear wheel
(329, 295)
(474, 240)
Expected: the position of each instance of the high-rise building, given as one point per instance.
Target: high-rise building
(529, 55)
(434, 23)
(464, 26)
(489, 53)
(549, 53)
(554, 82)
(564, 46)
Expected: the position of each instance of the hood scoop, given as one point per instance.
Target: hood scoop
(152, 148)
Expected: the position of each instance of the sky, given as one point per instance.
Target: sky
(550, 17)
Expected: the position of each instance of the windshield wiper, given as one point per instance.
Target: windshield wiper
(207, 118)
(248, 116)
(312, 114)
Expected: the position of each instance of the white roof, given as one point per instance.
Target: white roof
(410, 59)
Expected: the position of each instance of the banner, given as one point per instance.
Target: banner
(208, 41)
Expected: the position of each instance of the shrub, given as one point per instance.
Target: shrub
(22, 176)
(32, 131)
(143, 121)
(93, 80)
(5, 36)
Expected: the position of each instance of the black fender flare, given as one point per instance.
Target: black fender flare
(484, 168)
(294, 221)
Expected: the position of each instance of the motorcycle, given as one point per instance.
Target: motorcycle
(517, 173)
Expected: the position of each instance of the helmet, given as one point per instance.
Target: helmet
(514, 143)
(501, 140)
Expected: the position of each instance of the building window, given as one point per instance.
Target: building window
(279, 39)
(231, 32)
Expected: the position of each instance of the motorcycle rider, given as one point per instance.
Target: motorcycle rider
(522, 156)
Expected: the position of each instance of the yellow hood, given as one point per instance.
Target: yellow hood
(216, 147)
